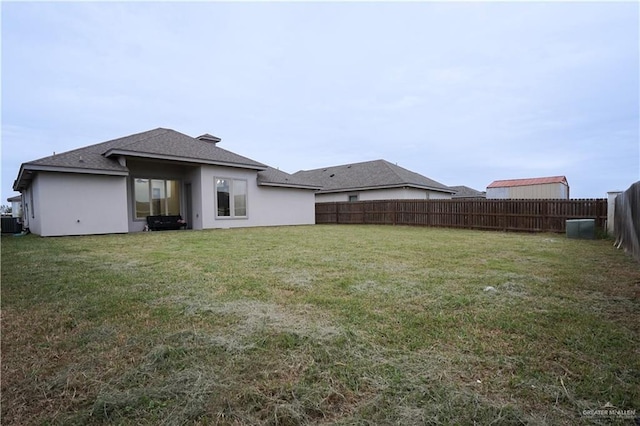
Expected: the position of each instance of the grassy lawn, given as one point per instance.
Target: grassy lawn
(318, 325)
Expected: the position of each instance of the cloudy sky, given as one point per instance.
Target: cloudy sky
(463, 93)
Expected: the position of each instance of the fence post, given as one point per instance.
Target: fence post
(611, 210)
(504, 215)
(395, 212)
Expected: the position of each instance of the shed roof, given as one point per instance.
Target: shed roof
(375, 174)
(528, 181)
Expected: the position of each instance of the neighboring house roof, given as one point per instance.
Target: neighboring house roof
(160, 144)
(528, 181)
(375, 174)
(15, 199)
(275, 177)
(466, 192)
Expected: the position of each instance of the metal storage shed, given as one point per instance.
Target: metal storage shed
(541, 188)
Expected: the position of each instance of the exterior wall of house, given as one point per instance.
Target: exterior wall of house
(82, 204)
(78, 204)
(197, 197)
(16, 209)
(32, 214)
(385, 194)
(284, 206)
(209, 174)
(266, 206)
(531, 192)
(435, 195)
(390, 194)
(497, 193)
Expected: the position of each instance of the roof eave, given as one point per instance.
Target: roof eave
(400, 185)
(26, 170)
(137, 154)
(527, 184)
(18, 184)
(289, 185)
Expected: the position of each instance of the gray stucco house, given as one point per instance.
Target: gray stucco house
(372, 180)
(111, 187)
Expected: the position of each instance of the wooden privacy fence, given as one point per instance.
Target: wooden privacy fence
(500, 215)
(627, 220)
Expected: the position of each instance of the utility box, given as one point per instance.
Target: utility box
(584, 229)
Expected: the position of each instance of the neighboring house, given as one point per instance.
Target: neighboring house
(16, 205)
(372, 180)
(112, 186)
(553, 187)
(464, 192)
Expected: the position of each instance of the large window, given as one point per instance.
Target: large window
(231, 197)
(156, 197)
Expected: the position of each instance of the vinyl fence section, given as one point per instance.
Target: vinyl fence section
(627, 220)
(499, 215)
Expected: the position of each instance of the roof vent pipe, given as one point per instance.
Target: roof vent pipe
(209, 138)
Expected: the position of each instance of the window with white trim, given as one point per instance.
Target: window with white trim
(231, 197)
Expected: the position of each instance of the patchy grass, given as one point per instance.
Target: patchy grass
(318, 325)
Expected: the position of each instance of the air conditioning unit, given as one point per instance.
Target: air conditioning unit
(584, 229)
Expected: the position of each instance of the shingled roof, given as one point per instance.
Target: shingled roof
(375, 174)
(275, 177)
(160, 144)
(528, 181)
(466, 192)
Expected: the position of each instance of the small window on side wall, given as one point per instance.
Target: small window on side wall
(353, 198)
